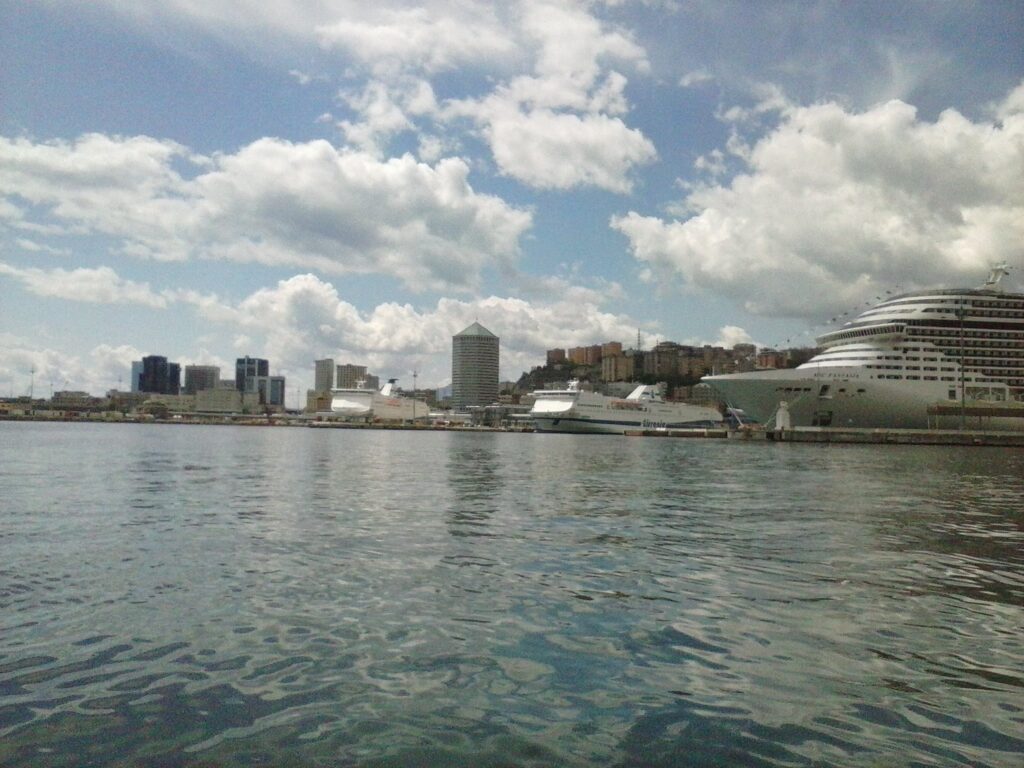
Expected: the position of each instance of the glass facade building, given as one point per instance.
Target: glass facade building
(475, 358)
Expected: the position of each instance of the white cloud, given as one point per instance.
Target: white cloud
(305, 78)
(426, 39)
(573, 42)
(552, 150)
(835, 205)
(384, 112)
(695, 78)
(304, 318)
(1013, 105)
(554, 116)
(31, 245)
(97, 286)
(731, 335)
(274, 202)
(559, 127)
(24, 367)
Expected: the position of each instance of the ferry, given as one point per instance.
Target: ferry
(576, 410)
(933, 359)
(361, 403)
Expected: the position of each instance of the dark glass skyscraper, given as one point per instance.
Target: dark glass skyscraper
(159, 376)
(247, 368)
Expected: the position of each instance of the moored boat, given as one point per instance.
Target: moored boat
(576, 410)
(365, 404)
(939, 359)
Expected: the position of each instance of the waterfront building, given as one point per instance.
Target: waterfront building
(318, 401)
(200, 377)
(268, 389)
(475, 359)
(169, 403)
(136, 376)
(323, 375)
(226, 400)
(159, 376)
(74, 400)
(249, 367)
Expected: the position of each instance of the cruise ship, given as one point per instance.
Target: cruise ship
(361, 403)
(576, 410)
(934, 359)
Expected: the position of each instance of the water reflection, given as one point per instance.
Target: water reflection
(348, 597)
(475, 476)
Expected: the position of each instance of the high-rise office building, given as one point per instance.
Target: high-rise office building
(201, 377)
(475, 358)
(247, 367)
(136, 375)
(323, 375)
(159, 376)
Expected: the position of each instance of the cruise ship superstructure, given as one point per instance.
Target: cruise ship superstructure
(935, 359)
(365, 404)
(576, 410)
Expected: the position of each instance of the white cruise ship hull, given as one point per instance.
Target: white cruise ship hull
(848, 401)
(933, 359)
(587, 412)
(852, 402)
(369, 405)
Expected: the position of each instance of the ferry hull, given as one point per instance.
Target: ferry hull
(591, 425)
(586, 412)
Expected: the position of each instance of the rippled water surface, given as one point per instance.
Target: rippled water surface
(228, 596)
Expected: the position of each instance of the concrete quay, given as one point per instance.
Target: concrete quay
(882, 436)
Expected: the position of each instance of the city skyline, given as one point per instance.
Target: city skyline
(321, 178)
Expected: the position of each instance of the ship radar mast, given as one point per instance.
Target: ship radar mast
(998, 272)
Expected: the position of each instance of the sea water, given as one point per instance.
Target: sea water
(236, 596)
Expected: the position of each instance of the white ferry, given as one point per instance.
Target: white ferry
(361, 403)
(939, 359)
(576, 410)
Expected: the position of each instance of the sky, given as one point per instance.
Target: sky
(300, 179)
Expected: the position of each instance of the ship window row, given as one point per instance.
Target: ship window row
(973, 311)
(972, 349)
(1012, 304)
(967, 333)
(915, 378)
(976, 360)
(952, 328)
(1005, 313)
(944, 369)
